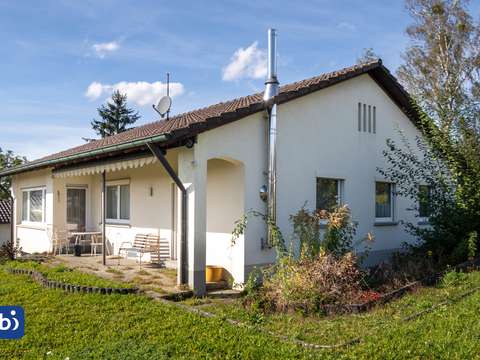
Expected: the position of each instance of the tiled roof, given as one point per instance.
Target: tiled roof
(5, 211)
(197, 121)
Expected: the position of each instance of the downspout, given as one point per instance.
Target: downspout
(12, 202)
(269, 97)
(104, 217)
(160, 155)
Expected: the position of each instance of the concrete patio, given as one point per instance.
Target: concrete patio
(148, 277)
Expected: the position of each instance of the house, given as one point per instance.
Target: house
(189, 178)
(5, 226)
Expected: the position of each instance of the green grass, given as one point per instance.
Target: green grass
(92, 326)
(67, 275)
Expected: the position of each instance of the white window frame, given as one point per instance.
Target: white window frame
(391, 218)
(339, 188)
(117, 184)
(340, 193)
(44, 195)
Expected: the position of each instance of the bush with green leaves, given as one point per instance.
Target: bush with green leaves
(449, 166)
(324, 271)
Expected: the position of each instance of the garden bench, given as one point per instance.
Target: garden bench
(146, 244)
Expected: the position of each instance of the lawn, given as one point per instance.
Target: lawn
(91, 326)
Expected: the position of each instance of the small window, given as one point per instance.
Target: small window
(33, 205)
(329, 193)
(424, 195)
(384, 201)
(118, 202)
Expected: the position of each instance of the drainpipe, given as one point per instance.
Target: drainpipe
(104, 217)
(160, 155)
(12, 230)
(271, 91)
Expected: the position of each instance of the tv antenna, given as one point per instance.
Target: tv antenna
(165, 103)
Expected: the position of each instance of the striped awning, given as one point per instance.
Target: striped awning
(107, 167)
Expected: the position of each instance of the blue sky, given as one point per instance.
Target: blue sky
(59, 60)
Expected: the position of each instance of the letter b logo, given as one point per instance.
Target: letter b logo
(12, 322)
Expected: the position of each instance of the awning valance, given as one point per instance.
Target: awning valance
(107, 167)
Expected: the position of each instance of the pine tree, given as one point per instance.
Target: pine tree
(115, 116)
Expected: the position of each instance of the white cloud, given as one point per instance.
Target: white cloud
(250, 62)
(345, 25)
(141, 92)
(102, 49)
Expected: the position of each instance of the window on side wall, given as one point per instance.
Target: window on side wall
(384, 202)
(33, 205)
(118, 202)
(424, 196)
(329, 193)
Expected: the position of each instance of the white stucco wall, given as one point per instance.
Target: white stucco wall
(4, 233)
(318, 137)
(33, 237)
(225, 205)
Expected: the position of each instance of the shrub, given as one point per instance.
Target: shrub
(454, 278)
(338, 234)
(9, 251)
(308, 283)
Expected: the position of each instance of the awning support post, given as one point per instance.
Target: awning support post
(159, 154)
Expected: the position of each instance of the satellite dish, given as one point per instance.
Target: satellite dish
(163, 105)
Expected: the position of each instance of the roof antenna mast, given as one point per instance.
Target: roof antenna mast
(165, 103)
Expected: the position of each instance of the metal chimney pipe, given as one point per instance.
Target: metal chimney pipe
(271, 91)
(271, 84)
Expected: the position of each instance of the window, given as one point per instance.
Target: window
(424, 194)
(118, 202)
(33, 205)
(329, 193)
(384, 201)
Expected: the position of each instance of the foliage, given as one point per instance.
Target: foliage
(338, 233)
(8, 250)
(450, 167)
(404, 267)
(454, 278)
(277, 241)
(324, 271)
(8, 159)
(368, 55)
(442, 67)
(115, 116)
(309, 282)
(472, 245)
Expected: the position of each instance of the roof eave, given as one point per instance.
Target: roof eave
(97, 152)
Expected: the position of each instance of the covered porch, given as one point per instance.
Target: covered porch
(114, 202)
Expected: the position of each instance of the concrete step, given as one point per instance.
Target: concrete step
(224, 294)
(220, 285)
